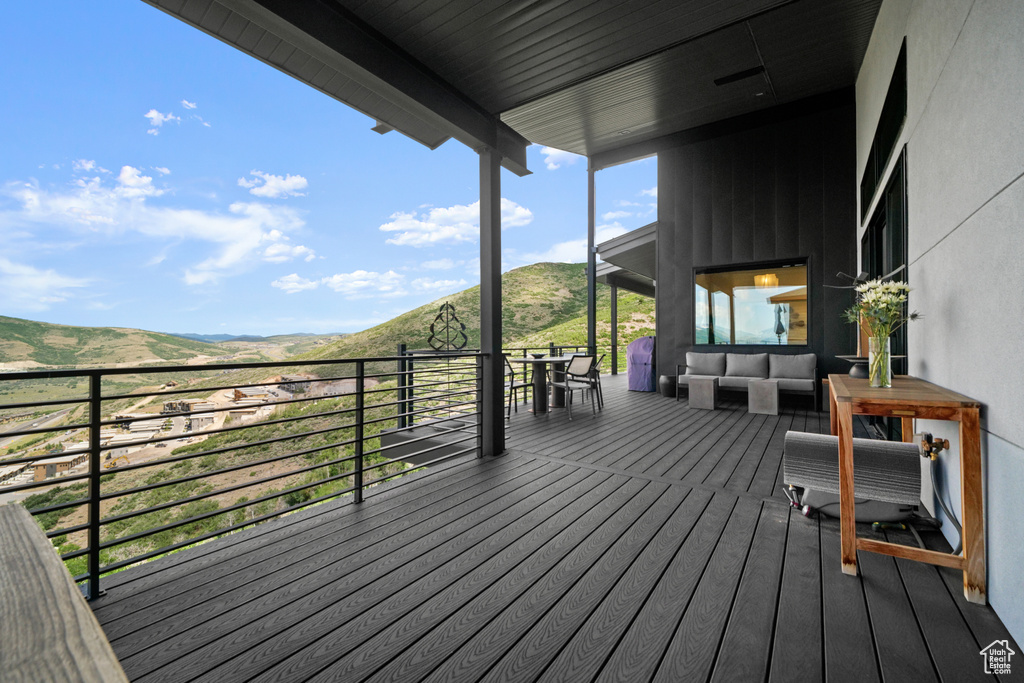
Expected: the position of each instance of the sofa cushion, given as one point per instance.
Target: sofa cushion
(746, 365)
(705, 363)
(802, 385)
(799, 366)
(736, 382)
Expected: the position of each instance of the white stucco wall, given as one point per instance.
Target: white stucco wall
(965, 170)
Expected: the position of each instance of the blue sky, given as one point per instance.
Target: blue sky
(154, 177)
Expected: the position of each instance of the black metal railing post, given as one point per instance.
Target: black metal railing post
(410, 405)
(479, 406)
(95, 408)
(360, 395)
(402, 407)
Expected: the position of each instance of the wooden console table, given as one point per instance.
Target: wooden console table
(909, 398)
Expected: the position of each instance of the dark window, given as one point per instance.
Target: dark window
(890, 122)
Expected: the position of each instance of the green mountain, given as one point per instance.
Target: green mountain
(541, 303)
(48, 344)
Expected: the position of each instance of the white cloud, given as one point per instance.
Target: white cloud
(188, 105)
(134, 184)
(162, 170)
(459, 223)
(157, 119)
(279, 252)
(235, 239)
(28, 288)
(363, 284)
(424, 284)
(573, 251)
(153, 131)
(269, 185)
(293, 283)
(615, 215)
(653, 192)
(439, 264)
(556, 158)
(83, 164)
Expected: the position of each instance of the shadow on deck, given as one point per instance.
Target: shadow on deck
(649, 543)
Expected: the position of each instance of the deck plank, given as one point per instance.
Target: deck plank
(641, 648)
(239, 629)
(584, 655)
(848, 634)
(692, 651)
(480, 653)
(416, 661)
(646, 541)
(797, 651)
(902, 654)
(746, 646)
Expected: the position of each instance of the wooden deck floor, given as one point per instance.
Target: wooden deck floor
(649, 543)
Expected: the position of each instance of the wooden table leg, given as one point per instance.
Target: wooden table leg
(847, 513)
(833, 416)
(907, 428)
(972, 502)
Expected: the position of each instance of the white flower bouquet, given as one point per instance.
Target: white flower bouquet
(882, 307)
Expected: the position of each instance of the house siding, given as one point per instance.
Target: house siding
(964, 135)
(778, 187)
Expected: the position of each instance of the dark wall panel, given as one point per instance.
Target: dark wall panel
(764, 195)
(787, 190)
(784, 189)
(743, 198)
(721, 200)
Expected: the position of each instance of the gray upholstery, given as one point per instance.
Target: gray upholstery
(888, 471)
(802, 385)
(800, 366)
(705, 364)
(796, 373)
(736, 382)
(745, 365)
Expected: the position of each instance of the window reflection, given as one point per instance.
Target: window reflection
(764, 305)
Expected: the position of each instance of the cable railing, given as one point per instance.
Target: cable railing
(113, 482)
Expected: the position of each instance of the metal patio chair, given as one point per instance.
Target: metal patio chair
(512, 387)
(579, 376)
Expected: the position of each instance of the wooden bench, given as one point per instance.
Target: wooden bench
(49, 632)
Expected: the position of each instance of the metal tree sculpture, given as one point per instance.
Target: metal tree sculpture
(446, 332)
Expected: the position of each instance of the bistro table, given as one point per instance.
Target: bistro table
(909, 398)
(540, 381)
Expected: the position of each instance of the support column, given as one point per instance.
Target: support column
(615, 330)
(591, 263)
(492, 422)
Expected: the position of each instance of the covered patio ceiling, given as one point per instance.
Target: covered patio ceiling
(582, 77)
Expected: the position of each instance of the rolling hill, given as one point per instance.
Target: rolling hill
(49, 344)
(541, 303)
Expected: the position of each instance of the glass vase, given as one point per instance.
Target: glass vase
(879, 362)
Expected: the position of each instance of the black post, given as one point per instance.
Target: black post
(480, 406)
(615, 330)
(410, 405)
(360, 375)
(591, 263)
(402, 407)
(490, 302)
(95, 408)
